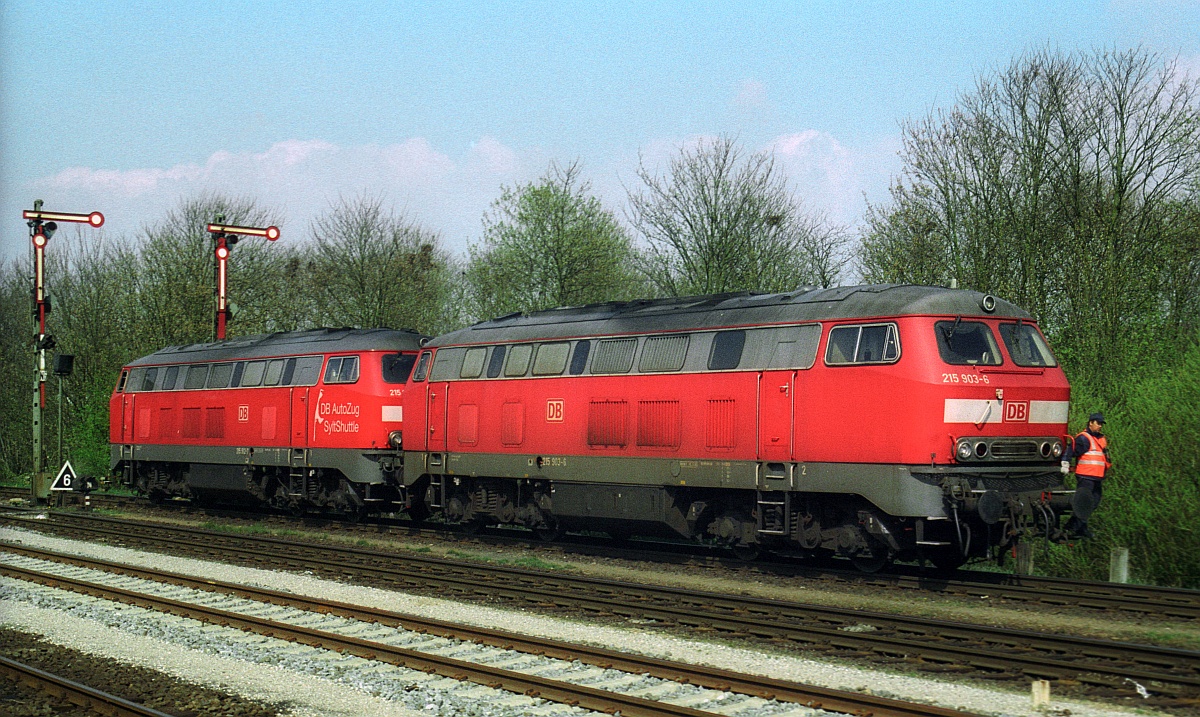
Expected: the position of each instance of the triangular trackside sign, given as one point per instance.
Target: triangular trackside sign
(66, 478)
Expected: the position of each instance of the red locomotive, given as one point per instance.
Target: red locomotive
(873, 422)
(300, 420)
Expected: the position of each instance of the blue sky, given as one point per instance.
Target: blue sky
(129, 107)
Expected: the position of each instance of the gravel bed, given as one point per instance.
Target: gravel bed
(149, 687)
(383, 683)
(636, 638)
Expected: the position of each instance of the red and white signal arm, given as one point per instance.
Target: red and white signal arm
(271, 232)
(66, 478)
(96, 219)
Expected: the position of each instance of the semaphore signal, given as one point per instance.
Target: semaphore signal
(227, 235)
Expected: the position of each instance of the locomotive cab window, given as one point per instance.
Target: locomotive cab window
(397, 367)
(869, 344)
(148, 382)
(963, 343)
(136, 377)
(1026, 346)
(121, 382)
(169, 380)
(422, 366)
(252, 375)
(342, 369)
(304, 371)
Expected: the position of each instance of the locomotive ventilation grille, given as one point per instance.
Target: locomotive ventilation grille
(1015, 450)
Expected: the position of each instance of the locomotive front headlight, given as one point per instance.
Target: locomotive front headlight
(981, 450)
(396, 439)
(1056, 449)
(964, 451)
(1044, 449)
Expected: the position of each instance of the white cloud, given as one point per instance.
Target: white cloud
(299, 179)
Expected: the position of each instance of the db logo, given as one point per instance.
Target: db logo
(243, 414)
(1016, 411)
(554, 410)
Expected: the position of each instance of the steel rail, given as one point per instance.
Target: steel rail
(494, 677)
(724, 680)
(74, 692)
(1142, 600)
(1002, 650)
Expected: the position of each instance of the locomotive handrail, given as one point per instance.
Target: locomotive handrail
(1018, 371)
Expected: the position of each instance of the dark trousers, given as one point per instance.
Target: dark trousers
(1092, 486)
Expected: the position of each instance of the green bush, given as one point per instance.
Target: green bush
(1152, 495)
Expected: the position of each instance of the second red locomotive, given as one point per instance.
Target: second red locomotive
(873, 422)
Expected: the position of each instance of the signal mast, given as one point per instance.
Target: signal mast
(42, 226)
(227, 235)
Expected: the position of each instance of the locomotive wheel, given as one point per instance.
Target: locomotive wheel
(871, 562)
(548, 533)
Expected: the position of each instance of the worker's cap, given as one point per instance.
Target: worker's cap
(1097, 417)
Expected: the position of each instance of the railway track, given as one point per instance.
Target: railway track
(1141, 601)
(711, 678)
(74, 692)
(1101, 667)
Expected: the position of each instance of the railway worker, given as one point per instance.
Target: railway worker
(1091, 449)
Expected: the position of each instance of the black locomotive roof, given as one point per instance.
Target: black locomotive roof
(721, 310)
(287, 343)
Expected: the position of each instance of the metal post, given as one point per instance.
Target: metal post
(1118, 565)
(60, 411)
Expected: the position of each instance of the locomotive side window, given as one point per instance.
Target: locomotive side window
(422, 367)
(496, 363)
(579, 359)
(1026, 346)
(446, 365)
(121, 382)
(726, 350)
(196, 376)
(873, 343)
(551, 359)
(219, 375)
(303, 371)
(148, 383)
(964, 343)
(614, 356)
(518, 360)
(289, 372)
(397, 367)
(134, 384)
(253, 373)
(473, 363)
(238, 368)
(664, 353)
(170, 378)
(274, 372)
(342, 369)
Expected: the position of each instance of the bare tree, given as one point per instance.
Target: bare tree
(547, 244)
(368, 268)
(719, 221)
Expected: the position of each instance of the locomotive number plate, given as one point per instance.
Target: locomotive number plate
(965, 378)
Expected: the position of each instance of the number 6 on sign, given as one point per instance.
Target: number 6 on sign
(65, 479)
(554, 410)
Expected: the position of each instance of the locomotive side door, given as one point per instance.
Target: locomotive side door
(775, 415)
(438, 396)
(127, 418)
(300, 411)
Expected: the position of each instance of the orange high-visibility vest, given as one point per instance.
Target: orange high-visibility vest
(1094, 462)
